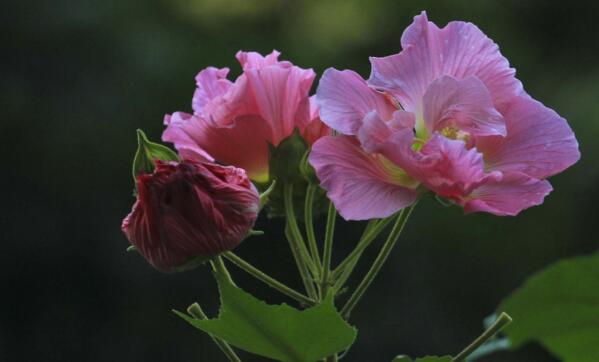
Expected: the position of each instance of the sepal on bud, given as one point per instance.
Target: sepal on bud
(147, 153)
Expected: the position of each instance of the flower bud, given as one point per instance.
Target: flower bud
(188, 211)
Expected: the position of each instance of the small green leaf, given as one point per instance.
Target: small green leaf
(286, 157)
(559, 307)
(279, 332)
(148, 152)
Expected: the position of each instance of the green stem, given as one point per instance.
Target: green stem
(503, 320)
(308, 219)
(332, 358)
(271, 282)
(365, 241)
(301, 267)
(328, 248)
(218, 265)
(298, 246)
(196, 311)
(378, 262)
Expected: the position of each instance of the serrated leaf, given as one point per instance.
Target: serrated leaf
(147, 152)
(279, 332)
(559, 307)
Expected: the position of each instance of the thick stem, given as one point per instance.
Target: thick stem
(308, 219)
(328, 249)
(503, 320)
(378, 262)
(268, 280)
(196, 311)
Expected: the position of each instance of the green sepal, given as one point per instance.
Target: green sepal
(147, 153)
(285, 159)
(279, 332)
(307, 170)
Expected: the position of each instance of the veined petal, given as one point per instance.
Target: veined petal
(211, 83)
(359, 184)
(280, 97)
(345, 98)
(465, 104)
(507, 195)
(539, 142)
(460, 50)
(257, 60)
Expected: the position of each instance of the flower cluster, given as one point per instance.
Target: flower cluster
(445, 115)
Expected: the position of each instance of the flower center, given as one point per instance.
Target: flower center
(398, 175)
(455, 133)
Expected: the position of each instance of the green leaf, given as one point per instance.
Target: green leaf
(148, 152)
(279, 332)
(559, 307)
(404, 358)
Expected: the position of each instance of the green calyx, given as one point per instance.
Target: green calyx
(147, 153)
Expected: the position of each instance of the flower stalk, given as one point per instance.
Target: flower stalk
(328, 248)
(502, 321)
(380, 260)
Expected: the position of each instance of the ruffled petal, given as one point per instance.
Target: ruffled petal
(358, 184)
(244, 144)
(211, 83)
(460, 50)
(539, 142)
(507, 195)
(257, 60)
(465, 104)
(345, 98)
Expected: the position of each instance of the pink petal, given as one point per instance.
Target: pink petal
(465, 104)
(177, 132)
(374, 132)
(444, 166)
(244, 144)
(211, 83)
(539, 142)
(315, 129)
(256, 60)
(345, 98)
(280, 97)
(358, 184)
(460, 50)
(508, 195)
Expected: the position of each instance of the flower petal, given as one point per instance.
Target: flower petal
(280, 97)
(460, 49)
(357, 183)
(345, 98)
(508, 195)
(211, 83)
(465, 104)
(539, 142)
(256, 60)
(244, 144)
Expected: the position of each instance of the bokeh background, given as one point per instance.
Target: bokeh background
(77, 79)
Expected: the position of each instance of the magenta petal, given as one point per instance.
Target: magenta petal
(357, 183)
(211, 83)
(460, 50)
(345, 98)
(508, 195)
(257, 60)
(465, 104)
(539, 142)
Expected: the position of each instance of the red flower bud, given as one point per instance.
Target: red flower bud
(190, 209)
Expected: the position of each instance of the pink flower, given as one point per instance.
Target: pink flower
(190, 209)
(233, 122)
(447, 114)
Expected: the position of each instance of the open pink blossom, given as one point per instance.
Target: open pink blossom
(233, 122)
(190, 209)
(446, 114)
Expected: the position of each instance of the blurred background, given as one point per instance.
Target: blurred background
(78, 77)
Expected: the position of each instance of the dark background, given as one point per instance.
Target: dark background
(77, 79)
